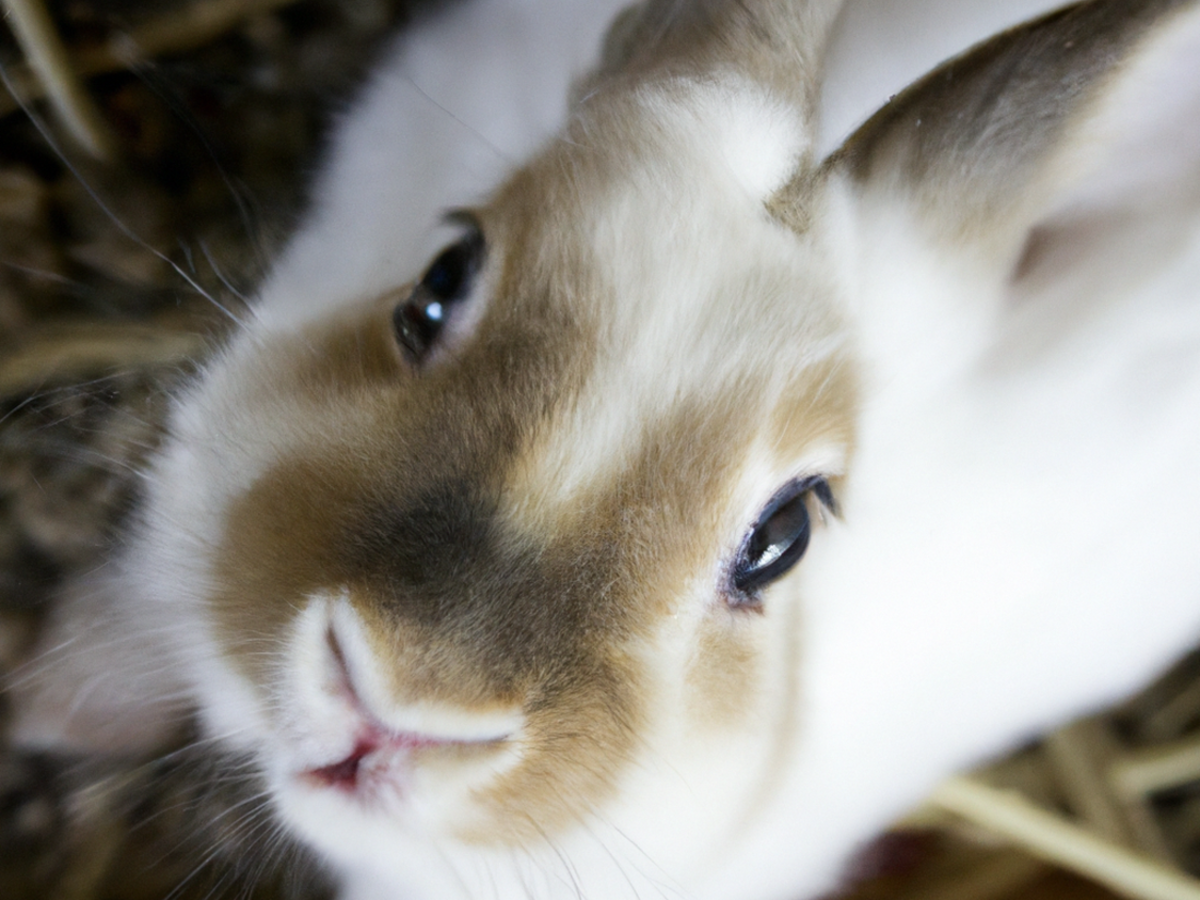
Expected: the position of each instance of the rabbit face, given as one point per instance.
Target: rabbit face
(480, 566)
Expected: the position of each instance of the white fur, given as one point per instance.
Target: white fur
(977, 582)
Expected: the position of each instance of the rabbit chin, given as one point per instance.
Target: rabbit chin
(404, 838)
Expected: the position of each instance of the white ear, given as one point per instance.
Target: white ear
(1139, 144)
(879, 47)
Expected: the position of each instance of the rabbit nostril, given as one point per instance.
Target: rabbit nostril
(367, 717)
(335, 649)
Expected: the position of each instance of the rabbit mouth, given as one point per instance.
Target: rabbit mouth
(386, 751)
(342, 775)
(380, 756)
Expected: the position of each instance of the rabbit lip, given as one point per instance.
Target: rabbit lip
(376, 750)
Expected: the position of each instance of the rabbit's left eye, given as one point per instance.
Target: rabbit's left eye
(780, 537)
(419, 319)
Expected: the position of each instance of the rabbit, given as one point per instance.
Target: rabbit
(706, 498)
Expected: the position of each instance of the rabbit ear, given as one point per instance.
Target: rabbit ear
(779, 44)
(1051, 136)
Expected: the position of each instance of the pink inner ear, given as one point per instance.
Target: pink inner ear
(1127, 180)
(1057, 247)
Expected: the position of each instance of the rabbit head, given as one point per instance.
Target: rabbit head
(459, 570)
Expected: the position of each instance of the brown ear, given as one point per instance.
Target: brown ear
(1046, 135)
(777, 43)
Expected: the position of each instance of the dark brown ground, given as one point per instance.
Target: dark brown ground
(96, 328)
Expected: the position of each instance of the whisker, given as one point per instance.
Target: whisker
(46, 274)
(186, 250)
(21, 405)
(147, 71)
(572, 874)
(476, 133)
(212, 263)
(116, 220)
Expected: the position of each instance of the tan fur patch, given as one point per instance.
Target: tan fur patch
(723, 673)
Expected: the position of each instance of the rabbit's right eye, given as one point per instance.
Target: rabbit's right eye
(779, 538)
(419, 319)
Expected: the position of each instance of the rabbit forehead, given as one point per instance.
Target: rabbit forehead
(695, 299)
(723, 122)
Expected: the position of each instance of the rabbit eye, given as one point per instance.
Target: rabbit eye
(419, 319)
(781, 535)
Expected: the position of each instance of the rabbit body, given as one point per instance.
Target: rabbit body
(499, 603)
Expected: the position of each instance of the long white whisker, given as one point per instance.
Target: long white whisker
(208, 257)
(162, 89)
(504, 157)
(44, 132)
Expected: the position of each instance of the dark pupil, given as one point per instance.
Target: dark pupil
(418, 320)
(447, 278)
(776, 544)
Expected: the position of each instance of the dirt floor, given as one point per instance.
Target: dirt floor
(110, 278)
